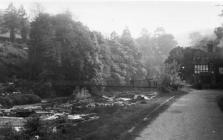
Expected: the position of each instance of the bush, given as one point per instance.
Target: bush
(7, 132)
(169, 77)
(164, 82)
(44, 89)
(20, 99)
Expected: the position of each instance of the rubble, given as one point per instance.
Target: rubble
(84, 117)
(28, 107)
(76, 110)
(72, 117)
(141, 97)
(17, 128)
(54, 116)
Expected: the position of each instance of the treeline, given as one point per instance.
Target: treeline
(60, 48)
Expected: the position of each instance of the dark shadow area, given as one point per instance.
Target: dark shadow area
(220, 102)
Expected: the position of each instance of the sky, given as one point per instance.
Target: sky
(179, 18)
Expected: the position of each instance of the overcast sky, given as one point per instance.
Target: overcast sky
(176, 17)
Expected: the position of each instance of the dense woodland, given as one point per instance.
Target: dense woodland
(56, 47)
(49, 48)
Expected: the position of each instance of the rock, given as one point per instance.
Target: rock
(82, 94)
(140, 97)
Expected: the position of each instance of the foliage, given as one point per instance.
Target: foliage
(183, 57)
(61, 49)
(67, 50)
(58, 43)
(155, 49)
(12, 60)
(33, 127)
(122, 61)
(24, 23)
(19, 99)
(203, 42)
(8, 133)
(15, 21)
(10, 21)
(169, 77)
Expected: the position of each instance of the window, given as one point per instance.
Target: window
(220, 70)
(200, 68)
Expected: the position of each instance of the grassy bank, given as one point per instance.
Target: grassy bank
(116, 122)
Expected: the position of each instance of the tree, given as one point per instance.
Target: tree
(176, 54)
(159, 31)
(145, 45)
(165, 43)
(155, 49)
(219, 32)
(79, 54)
(126, 38)
(24, 23)
(114, 36)
(41, 41)
(131, 56)
(169, 77)
(64, 48)
(36, 9)
(11, 22)
(195, 37)
(15, 22)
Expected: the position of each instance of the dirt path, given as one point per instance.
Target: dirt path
(194, 116)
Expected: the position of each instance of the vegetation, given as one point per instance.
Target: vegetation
(114, 123)
(15, 21)
(19, 99)
(56, 48)
(202, 45)
(13, 59)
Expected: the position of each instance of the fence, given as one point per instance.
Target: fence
(147, 83)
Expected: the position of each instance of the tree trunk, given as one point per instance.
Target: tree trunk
(12, 35)
(24, 34)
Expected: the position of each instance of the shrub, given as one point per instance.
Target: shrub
(169, 77)
(19, 99)
(7, 132)
(44, 89)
